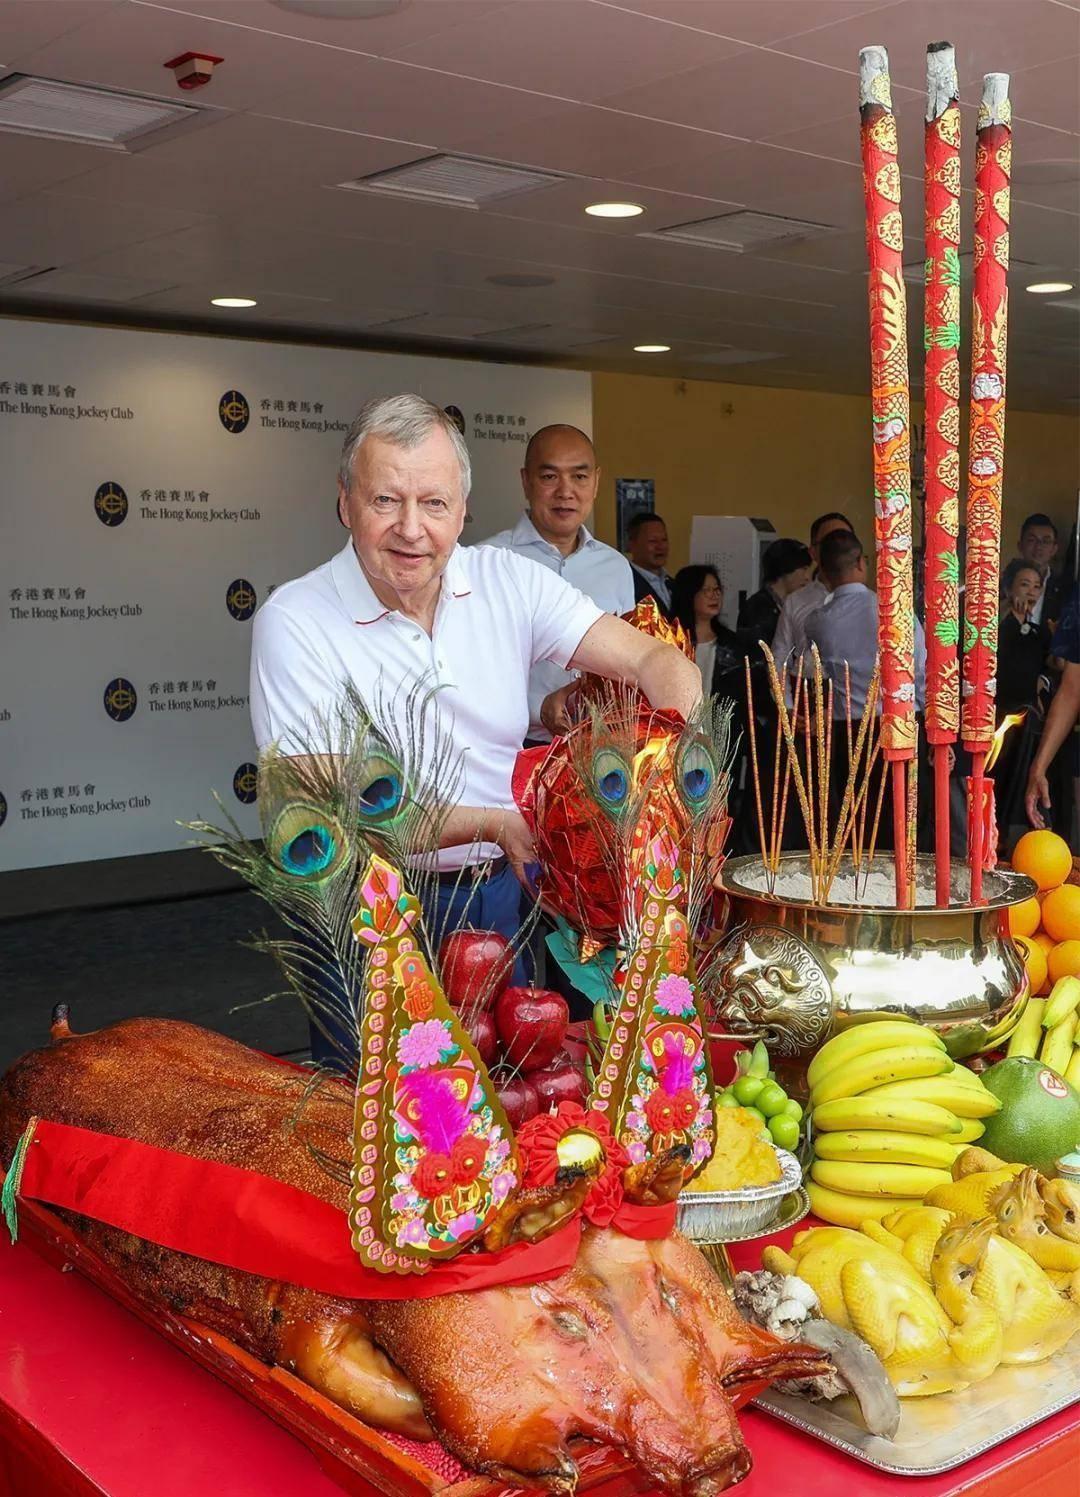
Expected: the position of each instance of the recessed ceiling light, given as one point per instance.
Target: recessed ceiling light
(614, 210)
(233, 301)
(1049, 288)
(652, 347)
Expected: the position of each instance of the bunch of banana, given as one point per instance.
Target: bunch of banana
(890, 1114)
(1049, 1028)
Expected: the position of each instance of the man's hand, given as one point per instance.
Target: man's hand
(1036, 795)
(508, 831)
(555, 710)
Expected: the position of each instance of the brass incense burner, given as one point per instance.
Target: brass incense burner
(796, 973)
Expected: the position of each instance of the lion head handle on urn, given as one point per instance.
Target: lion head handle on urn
(765, 981)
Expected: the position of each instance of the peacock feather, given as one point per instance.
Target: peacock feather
(357, 790)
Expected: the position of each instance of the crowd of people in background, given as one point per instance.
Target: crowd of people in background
(816, 593)
(819, 595)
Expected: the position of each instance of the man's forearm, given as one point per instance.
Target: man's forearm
(668, 678)
(1064, 710)
(465, 826)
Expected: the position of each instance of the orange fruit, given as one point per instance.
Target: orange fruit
(1063, 961)
(1043, 856)
(1046, 942)
(1025, 917)
(1034, 959)
(1061, 913)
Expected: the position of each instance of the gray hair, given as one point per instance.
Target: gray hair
(404, 420)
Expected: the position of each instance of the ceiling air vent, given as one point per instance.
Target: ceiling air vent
(454, 180)
(96, 116)
(741, 231)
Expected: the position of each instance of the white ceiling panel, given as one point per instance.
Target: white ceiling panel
(610, 50)
(27, 25)
(758, 22)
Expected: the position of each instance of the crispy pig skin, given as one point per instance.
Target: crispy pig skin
(637, 1346)
(180, 1087)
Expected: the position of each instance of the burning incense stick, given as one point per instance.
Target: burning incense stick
(752, 730)
(942, 387)
(989, 323)
(891, 424)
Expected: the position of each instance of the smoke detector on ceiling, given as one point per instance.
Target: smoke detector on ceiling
(456, 181)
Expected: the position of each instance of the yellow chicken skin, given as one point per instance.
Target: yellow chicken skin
(970, 1196)
(913, 1233)
(1036, 1322)
(873, 1291)
(1022, 1220)
(1061, 1201)
(954, 1266)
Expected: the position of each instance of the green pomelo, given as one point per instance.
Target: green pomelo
(1039, 1121)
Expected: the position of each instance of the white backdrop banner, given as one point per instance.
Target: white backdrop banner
(155, 489)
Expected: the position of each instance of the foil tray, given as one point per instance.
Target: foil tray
(940, 1433)
(732, 1215)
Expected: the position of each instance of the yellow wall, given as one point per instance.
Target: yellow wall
(788, 455)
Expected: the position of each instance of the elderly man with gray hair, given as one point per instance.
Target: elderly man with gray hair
(402, 606)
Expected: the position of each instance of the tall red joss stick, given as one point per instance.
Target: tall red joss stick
(986, 446)
(892, 440)
(942, 386)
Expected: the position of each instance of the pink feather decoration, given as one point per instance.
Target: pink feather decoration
(441, 1117)
(678, 1071)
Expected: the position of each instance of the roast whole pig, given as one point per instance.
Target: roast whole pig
(637, 1346)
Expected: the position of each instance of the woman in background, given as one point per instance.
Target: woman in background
(1023, 685)
(697, 596)
(786, 565)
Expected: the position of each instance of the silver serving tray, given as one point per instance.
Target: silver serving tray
(937, 1434)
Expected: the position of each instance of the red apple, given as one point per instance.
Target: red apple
(480, 1027)
(531, 1025)
(561, 1081)
(518, 1098)
(475, 966)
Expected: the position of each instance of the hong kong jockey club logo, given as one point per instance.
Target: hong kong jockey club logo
(120, 700)
(457, 417)
(234, 411)
(3, 808)
(240, 599)
(245, 783)
(111, 504)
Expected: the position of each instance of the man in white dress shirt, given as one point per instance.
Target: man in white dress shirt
(560, 479)
(790, 641)
(845, 627)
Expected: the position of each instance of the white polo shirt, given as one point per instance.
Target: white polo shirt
(598, 571)
(497, 616)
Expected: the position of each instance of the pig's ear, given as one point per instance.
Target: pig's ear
(535, 1211)
(659, 1179)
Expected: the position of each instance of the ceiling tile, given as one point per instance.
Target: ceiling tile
(59, 284)
(53, 230)
(382, 36)
(988, 35)
(751, 96)
(26, 25)
(526, 46)
(31, 165)
(407, 102)
(756, 21)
